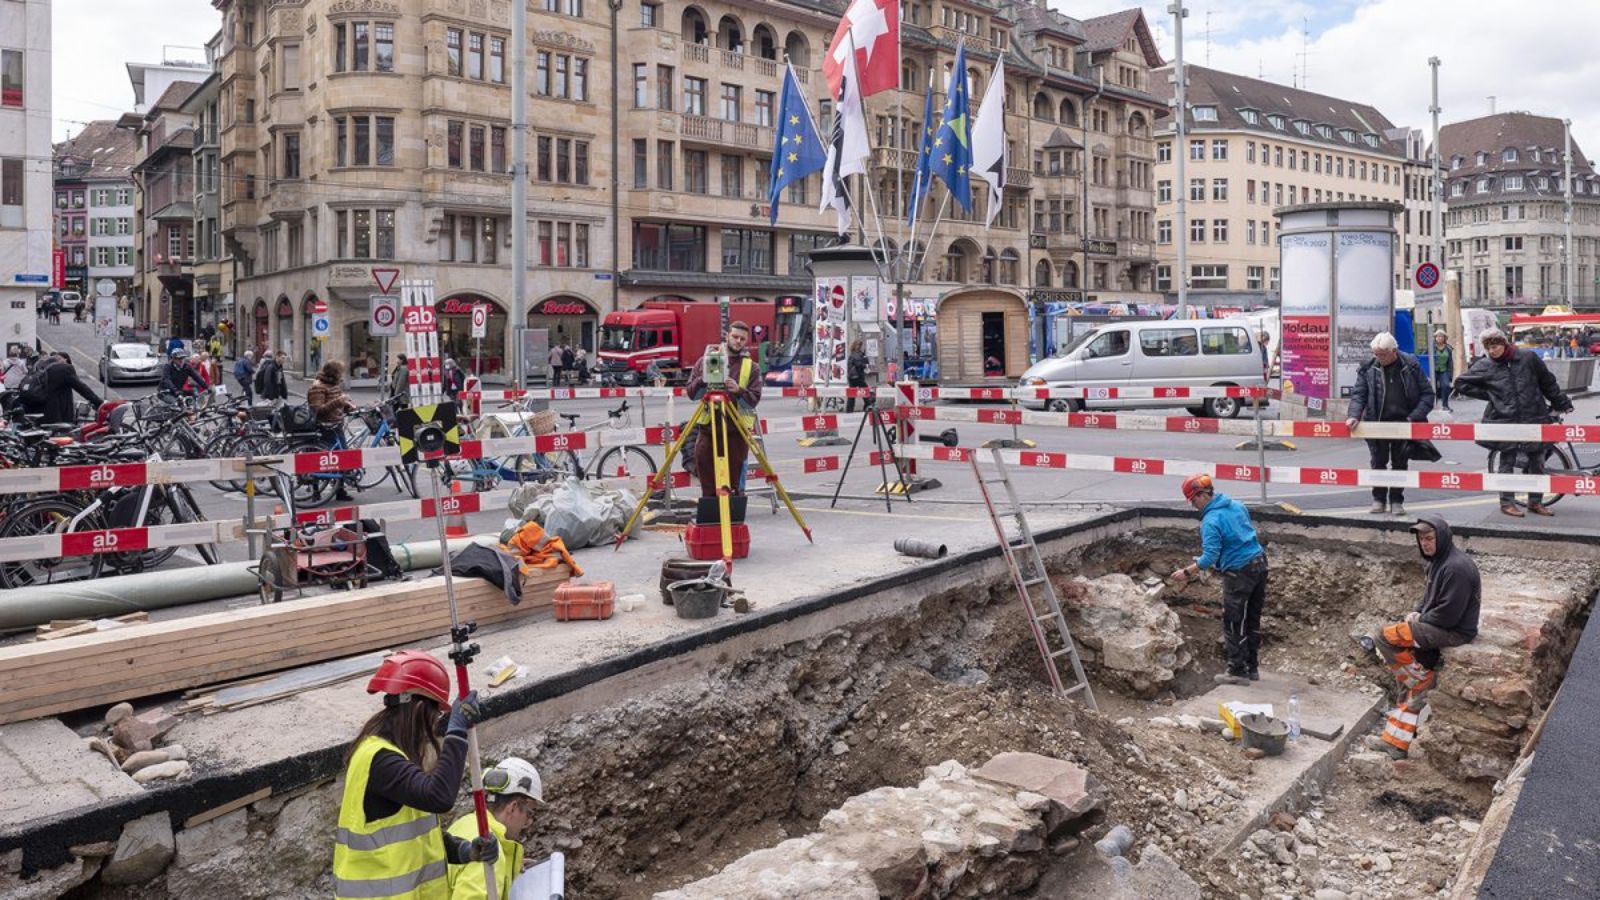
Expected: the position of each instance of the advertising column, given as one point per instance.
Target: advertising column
(1305, 344)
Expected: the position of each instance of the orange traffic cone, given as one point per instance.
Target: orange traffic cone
(455, 521)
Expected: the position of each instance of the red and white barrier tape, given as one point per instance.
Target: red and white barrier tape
(1087, 392)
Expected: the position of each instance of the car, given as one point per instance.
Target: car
(71, 301)
(123, 363)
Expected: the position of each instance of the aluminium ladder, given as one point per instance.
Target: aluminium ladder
(1032, 582)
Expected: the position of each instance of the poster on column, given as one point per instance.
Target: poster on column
(1306, 351)
(831, 312)
(864, 300)
(1365, 301)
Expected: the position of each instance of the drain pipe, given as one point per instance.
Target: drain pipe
(103, 598)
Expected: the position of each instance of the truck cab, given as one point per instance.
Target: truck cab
(631, 341)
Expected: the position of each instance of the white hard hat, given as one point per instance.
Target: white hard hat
(514, 775)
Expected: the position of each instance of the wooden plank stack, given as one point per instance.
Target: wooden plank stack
(139, 660)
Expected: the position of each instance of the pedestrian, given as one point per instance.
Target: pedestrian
(271, 385)
(568, 360)
(1443, 367)
(52, 310)
(1264, 341)
(580, 359)
(454, 379)
(400, 383)
(1228, 544)
(244, 372)
(16, 367)
(856, 373)
(201, 365)
(1519, 390)
(514, 792)
(177, 377)
(329, 405)
(80, 311)
(399, 778)
(50, 397)
(743, 388)
(1390, 387)
(1446, 616)
(555, 365)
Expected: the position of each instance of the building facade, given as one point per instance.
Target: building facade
(164, 209)
(25, 173)
(94, 207)
(1254, 146)
(213, 267)
(355, 135)
(1505, 213)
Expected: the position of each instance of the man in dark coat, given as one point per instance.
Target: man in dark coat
(61, 382)
(270, 383)
(1519, 390)
(1390, 387)
(1446, 616)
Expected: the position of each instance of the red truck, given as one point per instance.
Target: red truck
(672, 334)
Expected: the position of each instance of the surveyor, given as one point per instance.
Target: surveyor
(1519, 389)
(742, 387)
(1446, 616)
(1228, 544)
(1390, 387)
(399, 778)
(515, 793)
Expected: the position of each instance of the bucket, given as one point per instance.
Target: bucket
(1264, 733)
(680, 570)
(696, 600)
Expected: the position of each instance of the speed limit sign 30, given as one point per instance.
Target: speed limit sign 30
(383, 315)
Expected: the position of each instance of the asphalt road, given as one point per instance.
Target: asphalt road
(1042, 488)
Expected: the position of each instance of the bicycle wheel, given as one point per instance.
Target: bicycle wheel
(51, 515)
(541, 467)
(181, 500)
(620, 462)
(1557, 461)
(373, 476)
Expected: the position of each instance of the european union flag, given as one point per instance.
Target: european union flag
(951, 158)
(799, 151)
(924, 177)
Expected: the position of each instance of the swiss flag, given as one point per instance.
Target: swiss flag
(873, 28)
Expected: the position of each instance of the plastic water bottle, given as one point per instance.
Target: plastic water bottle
(1294, 717)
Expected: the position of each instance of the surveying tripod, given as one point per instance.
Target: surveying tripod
(723, 412)
(885, 452)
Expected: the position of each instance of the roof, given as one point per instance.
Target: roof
(1110, 32)
(1495, 134)
(110, 151)
(1059, 138)
(174, 96)
(1231, 95)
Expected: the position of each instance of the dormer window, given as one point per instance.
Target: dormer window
(1205, 113)
(1455, 163)
(1250, 116)
(1483, 185)
(1348, 135)
(1325, 131)
(1302, 126)
(1371, 140)
(1483, 157)
(1276, 121)
(1508, 155)
(1536, 154)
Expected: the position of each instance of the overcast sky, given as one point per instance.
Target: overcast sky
(1541, 58)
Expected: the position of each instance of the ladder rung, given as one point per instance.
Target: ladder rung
(1030, 582)
(1044, 615)
(1080, 686)
(1062, 652)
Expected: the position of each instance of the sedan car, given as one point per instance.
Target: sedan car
(129, 363)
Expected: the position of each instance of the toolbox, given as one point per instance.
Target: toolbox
(576, 600)
(705, 541)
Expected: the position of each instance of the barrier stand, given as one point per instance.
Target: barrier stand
(1261, 444)
(1016, 441)
(666, 510)
(827, 437)
(908, 395)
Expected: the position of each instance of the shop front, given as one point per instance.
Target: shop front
(314, 345)
(982, 336)
(486, 357)
(919, 336)
(569, 319)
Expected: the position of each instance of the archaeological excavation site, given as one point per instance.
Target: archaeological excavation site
(896, 736)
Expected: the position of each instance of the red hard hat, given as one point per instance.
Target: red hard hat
(412, 672)
(1196, 484)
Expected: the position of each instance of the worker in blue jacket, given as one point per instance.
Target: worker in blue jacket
(1228, 544)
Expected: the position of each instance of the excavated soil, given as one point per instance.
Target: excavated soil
(672, 786)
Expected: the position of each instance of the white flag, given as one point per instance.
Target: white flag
(848, 147)
(990, 156)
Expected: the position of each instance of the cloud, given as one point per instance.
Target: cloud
(1541, 59)
(91, 50)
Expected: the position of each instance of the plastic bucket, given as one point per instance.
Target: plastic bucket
(696, 600)
(1264, 733)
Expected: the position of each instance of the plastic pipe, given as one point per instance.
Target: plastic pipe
(924, 549)
(104, 598)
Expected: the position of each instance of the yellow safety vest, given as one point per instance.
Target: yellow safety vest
(466, 881)
(401, 856)
(747, 367)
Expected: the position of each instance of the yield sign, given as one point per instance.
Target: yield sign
(385, 278)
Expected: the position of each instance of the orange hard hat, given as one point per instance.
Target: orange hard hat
(1196, 484)
(412, 672)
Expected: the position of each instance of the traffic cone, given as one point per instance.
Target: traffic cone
(455, 522)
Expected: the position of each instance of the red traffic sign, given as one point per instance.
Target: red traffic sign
(385, 278)
(319, 306)
(420, 320)
(1427, 275)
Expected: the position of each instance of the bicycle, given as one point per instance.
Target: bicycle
(1560, 458)
(369, 429)
(615, 462)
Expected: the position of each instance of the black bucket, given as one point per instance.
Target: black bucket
(696, 600)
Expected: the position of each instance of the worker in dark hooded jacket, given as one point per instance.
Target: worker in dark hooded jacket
(1447, 616)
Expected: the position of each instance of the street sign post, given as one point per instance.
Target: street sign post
(385, 278)
(480, 328)
(1429, 286)
(383, 315)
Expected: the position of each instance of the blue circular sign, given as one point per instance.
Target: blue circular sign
(1427, 275)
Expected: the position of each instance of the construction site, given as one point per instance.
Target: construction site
(862, 723)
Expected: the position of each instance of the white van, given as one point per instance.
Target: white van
(1171, 353)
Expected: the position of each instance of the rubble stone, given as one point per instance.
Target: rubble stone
(143, 850)
(176, 768)
(1073, 792)
(1138, 642)
(118, 712)
(210, 840)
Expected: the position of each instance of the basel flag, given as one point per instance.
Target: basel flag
(873, 28)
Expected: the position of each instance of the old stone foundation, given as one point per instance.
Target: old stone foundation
(668, 768)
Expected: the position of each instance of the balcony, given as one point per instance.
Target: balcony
(705, 54)
(284, 198)
(718, 131)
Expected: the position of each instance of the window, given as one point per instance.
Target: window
(641, 163)
(10, 192)
(1197, 231)
(1219, 231)
(562, 76)
(1250, 116)
(291, 154)
(641, 86)
(746, 251)
(1229, 340)
(1109, 343)
(1197, 150)
(1249, 151)
(649, 15)
(364, 233)
(1164, 152)
(765, 103)
(664, 92)
(694, 171)
(11, 74)
(664, 165)
(1219, 149)
(452, 45)
(1277, 156)
(1249, 231)
(1513, 183)
(1483, 185)
(363, 140)
(497, 149)
(1208, 277)
(1205, 113)
(572, 8)
(1513, 242)
(669, 248)
(1458, 189)
(561, 160)
(475, 154)
(361, 49)
(1164, 192)
(1219, 189)
(541, 81)
(1197, 189)
(1168, 342)
(1509, 155)
(730, 102)
(1163, 278)
(497, 60)
(1164, 231)
(455, 140)
(1253, 277)
(475, 56)
(694, 96)
(732, 175)
(291, 67)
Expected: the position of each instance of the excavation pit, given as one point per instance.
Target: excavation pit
(671, 757)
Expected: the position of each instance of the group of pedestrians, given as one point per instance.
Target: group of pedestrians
(45, 385)
(568, 364)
